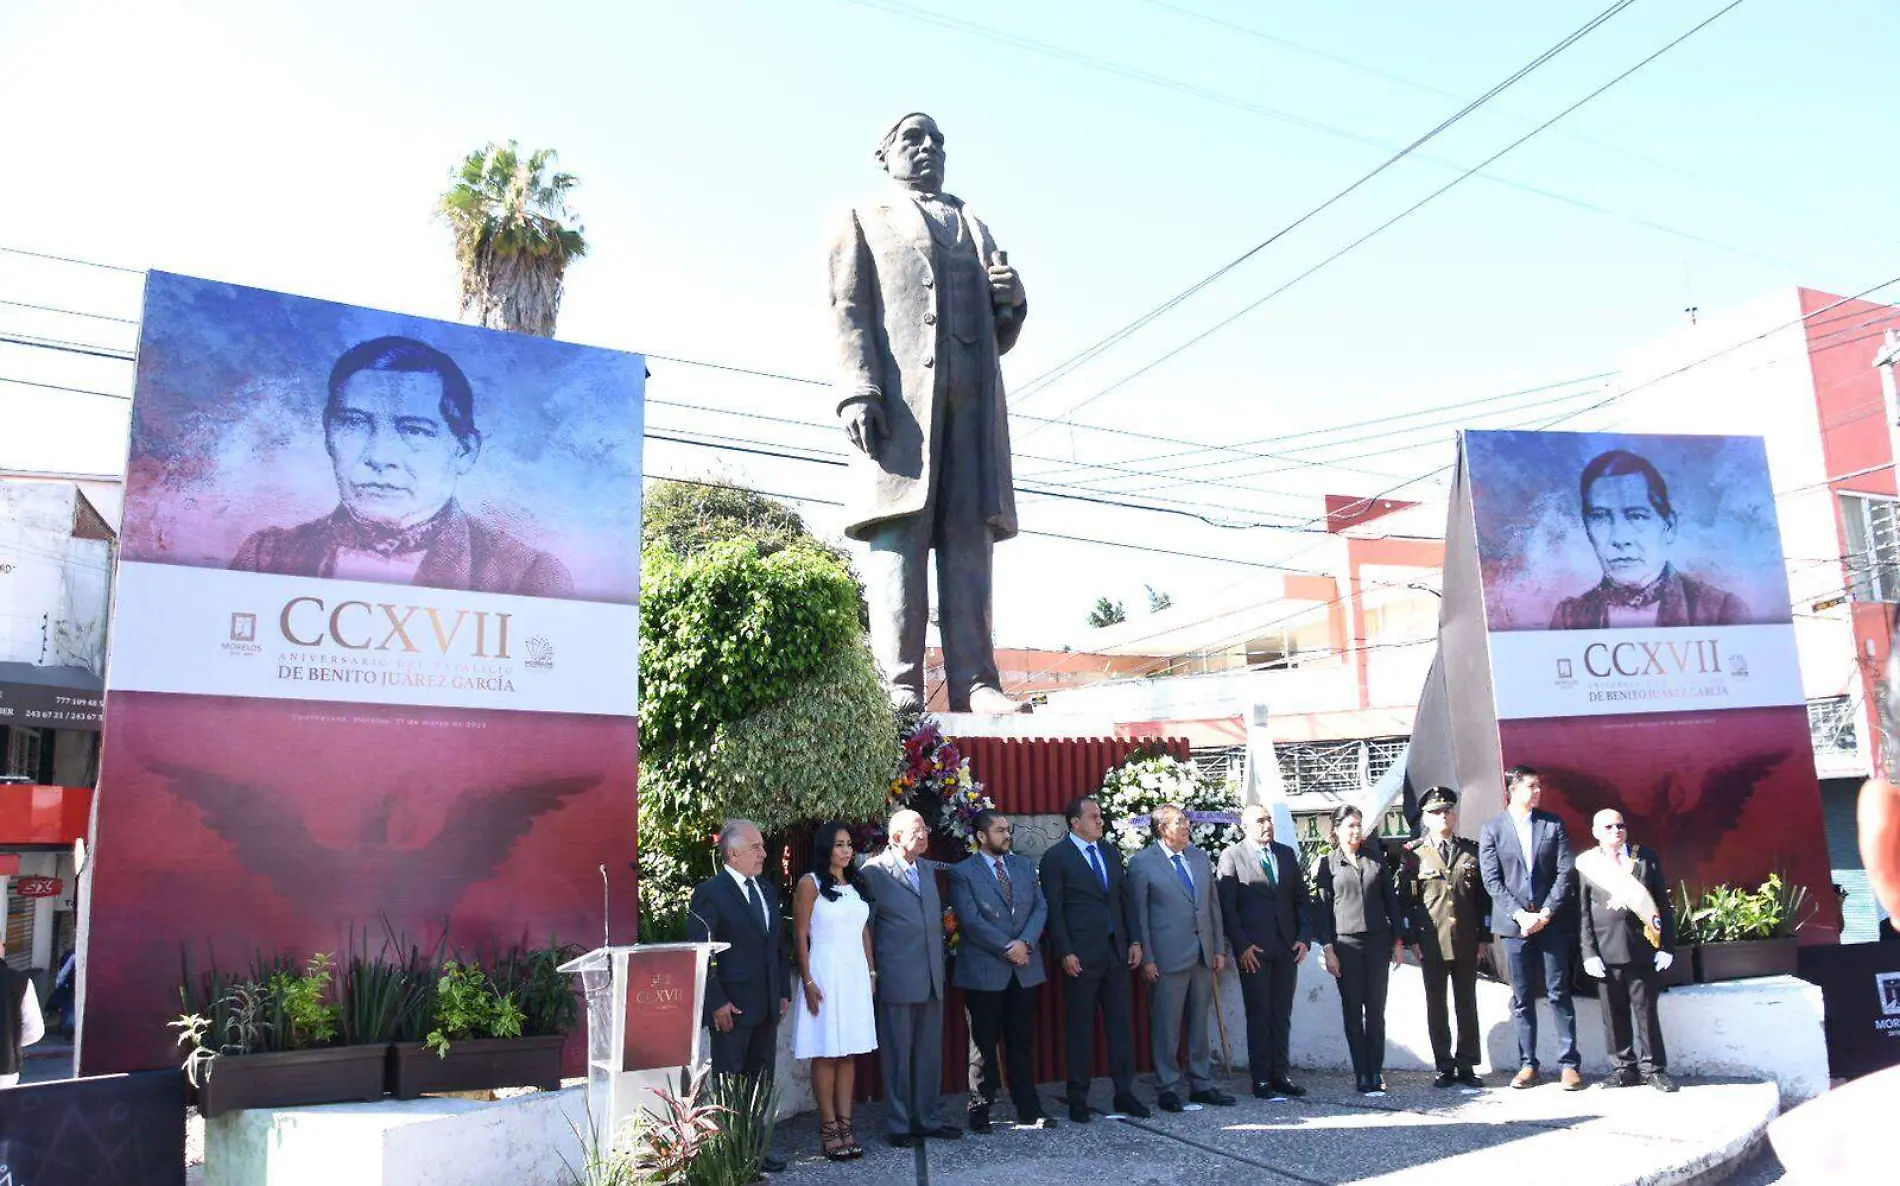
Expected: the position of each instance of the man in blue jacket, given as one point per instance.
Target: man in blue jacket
(1528, 870)
(1000, 914)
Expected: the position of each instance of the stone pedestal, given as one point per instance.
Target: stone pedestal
(528, 1140)
(1769, 1028)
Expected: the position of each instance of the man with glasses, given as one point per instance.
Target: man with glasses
(1628, 940)
(1449, 915)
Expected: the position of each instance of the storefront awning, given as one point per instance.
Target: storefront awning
(50, 697)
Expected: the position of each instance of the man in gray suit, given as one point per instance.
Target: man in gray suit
(924, 306)
(1178, 919)
(907, 942)
(1000, 913)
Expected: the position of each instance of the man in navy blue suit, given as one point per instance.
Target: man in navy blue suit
(1528, 870)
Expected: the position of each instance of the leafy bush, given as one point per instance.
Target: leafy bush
(548, 998)
(730, 631)
(275, 1009)
(1775, 909)
(822, 754)
(685, 518)
(467, 1006)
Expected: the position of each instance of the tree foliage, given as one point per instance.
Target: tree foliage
(759, 696)
(1157, 600)
(685, 518)
(1107, 613)
(514, 236)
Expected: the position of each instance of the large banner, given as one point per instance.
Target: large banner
(374, 647)
(1639, 647)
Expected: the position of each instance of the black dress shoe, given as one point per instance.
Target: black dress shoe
(1444, 1079)
(903, 1140)
(1466, 1077)
(978, 1120)
(771, 1165)
(1375, 1084)
(1128, 1105)
(1211, 1095)
(942, 1132)
(1661, 1081)
(1622, 1077)
(1359, 1084)
(1288, 1088)
(1264, 1091)
(1078, 1111)
(1167, 1101)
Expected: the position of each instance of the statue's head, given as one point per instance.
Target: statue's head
(912, 153)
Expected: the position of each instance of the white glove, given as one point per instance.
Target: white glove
(1663, 960)
(1595, 967)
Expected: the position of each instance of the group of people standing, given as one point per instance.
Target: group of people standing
(868, 949)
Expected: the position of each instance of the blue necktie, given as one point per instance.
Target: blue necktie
(1095, 863)
(1187, 879)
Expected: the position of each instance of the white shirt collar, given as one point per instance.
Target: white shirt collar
(1082, 844)
(741, 879)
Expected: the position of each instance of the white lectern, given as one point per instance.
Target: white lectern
(643, 1010)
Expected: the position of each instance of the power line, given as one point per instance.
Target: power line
(84, 263)
(64, 346)
(59, 387)
(1600, 145)
(1076, 360)
(1400, 216)
(1076, 539)
(69, 312)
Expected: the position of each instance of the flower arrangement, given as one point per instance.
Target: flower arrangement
(1148, 779)
(934, 780)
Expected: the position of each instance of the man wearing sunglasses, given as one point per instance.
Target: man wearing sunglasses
(1449, 915)
(1629, 939)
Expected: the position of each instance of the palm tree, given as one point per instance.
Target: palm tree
(514, 236)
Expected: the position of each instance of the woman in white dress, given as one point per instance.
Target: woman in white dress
(831, 912)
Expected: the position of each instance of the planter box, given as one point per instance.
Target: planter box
(1682, 971)
(332, 1075)
(1740, 961)
(478, 1064)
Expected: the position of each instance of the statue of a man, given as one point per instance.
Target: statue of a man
(925, 306)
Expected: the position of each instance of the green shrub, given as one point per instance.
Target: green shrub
(467, 1006)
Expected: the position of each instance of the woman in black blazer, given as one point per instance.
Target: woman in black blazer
(1359, 921)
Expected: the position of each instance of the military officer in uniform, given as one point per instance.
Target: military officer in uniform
(1449, 916)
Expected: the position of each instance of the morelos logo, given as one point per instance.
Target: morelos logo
(540, 654)
(1887, 985)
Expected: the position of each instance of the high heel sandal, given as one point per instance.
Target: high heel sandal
(852, 1150)
(833, 1137)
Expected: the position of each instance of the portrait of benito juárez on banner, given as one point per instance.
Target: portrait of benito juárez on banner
(399, 424)
(1632, 525)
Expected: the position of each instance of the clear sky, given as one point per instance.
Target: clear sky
(1121, 150)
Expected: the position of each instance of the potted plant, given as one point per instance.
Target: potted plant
(271, 1040)
(483, 1032)
(1740, 933)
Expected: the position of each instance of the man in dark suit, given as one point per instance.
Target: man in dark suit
(1525, 859)
(1449, 917)
(1629, 938)
(1092, 934)
(749, 984)
(907, 941)
(399, 426)
(1632, 525)
(1000, 914)
(1263, 904)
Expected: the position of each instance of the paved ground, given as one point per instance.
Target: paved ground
(1591, 1138)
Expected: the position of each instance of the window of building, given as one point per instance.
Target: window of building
(22, 752)
(1873, 546)
(1831, 725)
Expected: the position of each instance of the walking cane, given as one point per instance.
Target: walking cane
(1220, 1021)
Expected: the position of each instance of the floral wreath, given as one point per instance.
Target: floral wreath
(934, 780)
(1148, 779)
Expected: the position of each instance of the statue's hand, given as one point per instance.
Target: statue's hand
(864, 424)
(1006, 287)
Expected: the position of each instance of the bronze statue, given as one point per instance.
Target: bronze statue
(925, 306)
